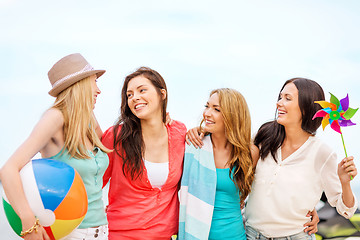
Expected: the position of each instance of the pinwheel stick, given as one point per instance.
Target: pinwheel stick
(343, 142)
(342, 138)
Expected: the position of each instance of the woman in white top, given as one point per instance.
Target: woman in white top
(295, 167)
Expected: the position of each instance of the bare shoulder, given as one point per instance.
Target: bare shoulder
(50, 123)
(49, 132)
(40, 139)
(255, 153)
(54, 113)
(54, 116)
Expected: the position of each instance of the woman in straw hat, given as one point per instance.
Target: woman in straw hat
(68, 132)
(146, 164)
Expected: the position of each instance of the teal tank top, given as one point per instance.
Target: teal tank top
(227, 220)
(91, 172)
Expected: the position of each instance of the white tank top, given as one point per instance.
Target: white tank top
(157, 173)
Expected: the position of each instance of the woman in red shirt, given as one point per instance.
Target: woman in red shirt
(146, 164)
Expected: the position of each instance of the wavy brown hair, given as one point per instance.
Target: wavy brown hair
(128, 142)
(237, 122)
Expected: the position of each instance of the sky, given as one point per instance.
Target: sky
(197, 46)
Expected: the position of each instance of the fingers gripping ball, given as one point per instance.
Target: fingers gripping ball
(56, 195)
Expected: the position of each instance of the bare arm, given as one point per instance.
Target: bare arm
(41, 135)
(337, 184)
(346, 171)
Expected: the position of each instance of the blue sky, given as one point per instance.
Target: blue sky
(252, 46)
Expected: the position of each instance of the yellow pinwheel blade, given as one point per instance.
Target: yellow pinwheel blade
(325, 104)
(325, 122)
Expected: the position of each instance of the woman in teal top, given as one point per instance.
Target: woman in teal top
(227, 220)
(211, 193)
(91, 172)
(69, 132)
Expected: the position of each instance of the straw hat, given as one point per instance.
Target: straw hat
(69, 70)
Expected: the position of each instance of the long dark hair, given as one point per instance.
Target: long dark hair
(271, 135)
(128, 143)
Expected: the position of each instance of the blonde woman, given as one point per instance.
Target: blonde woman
(217, 178)
(67, 132)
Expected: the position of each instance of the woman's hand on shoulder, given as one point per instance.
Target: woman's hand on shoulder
(347, 169)
(168, 120)
(255, 154)
(195, 137)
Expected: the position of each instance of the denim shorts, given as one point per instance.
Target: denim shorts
(96, 233)
(252, 234)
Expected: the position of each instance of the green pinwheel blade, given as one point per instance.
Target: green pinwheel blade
(334, 100)
(350, 113)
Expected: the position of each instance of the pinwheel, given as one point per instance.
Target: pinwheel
(337, 114)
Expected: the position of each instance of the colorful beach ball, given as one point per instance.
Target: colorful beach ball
(56, 195)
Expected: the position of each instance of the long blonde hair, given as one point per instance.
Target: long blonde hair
(76, 104)
(237, 122)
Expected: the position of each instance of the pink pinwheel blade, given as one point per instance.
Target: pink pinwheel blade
(346, 123)
(335, 126)
(345, 103)
(320, 113)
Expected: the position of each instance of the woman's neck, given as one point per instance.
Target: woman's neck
(221, 150)
(152, 128)
(219, 141)
(295, 136)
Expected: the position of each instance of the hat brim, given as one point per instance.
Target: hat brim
(61, 87)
